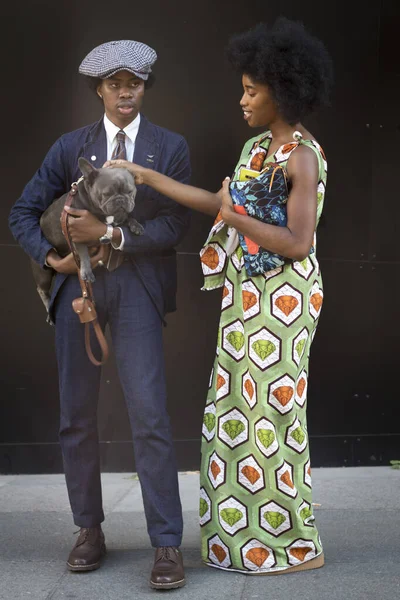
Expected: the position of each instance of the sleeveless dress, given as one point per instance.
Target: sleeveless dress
(256, 511)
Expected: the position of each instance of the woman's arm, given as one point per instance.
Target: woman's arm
(295, 240)
(192, 197)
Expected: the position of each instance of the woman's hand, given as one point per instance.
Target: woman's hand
(137, 171)
(227, 208)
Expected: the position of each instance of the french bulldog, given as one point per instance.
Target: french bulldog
(109, 194)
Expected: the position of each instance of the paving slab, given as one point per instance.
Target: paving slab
(357, 519)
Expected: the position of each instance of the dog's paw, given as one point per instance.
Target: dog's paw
(88, 276)
(45, 297)
(136, 227)
(50, 321)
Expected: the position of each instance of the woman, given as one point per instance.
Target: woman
(255, 506)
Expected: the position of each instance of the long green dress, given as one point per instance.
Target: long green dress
(255, 500)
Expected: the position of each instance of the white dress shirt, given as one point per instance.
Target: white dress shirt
(131, 132)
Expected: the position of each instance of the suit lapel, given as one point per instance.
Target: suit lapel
(95, 149)
(146, 148)
(146, 152)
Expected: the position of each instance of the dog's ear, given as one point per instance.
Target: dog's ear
(89, 171)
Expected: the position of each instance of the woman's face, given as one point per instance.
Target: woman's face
(258, 106)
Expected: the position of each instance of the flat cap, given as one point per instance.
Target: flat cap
(123, 55)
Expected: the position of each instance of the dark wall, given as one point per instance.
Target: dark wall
(353, 393)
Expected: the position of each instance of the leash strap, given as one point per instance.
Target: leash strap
(84, 307)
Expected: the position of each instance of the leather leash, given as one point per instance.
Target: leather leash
(84, 307)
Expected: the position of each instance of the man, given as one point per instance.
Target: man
(132, 299)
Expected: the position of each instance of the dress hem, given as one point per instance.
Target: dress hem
(262, 571)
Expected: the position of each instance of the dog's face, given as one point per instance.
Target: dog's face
(111, 191)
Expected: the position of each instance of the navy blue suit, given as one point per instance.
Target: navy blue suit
(136, 328)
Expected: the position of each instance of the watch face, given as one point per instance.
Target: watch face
(107, 236)
(104, 240)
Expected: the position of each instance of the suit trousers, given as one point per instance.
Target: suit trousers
(136, 331)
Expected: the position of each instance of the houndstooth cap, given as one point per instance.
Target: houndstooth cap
(123, 55)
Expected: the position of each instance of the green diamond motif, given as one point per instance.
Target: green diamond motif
(239, 252)
(236, 339)
(300, 346)
(275, 519)
(263, 348)
(298, 435)
(203, 507)
(231, 515)
(304, 264)
(233, 428)
(320, 195)
(209, 421)
(266, 437)
(305, 513)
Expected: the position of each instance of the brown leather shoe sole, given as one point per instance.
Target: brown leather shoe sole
(167, 586)
(83, 568)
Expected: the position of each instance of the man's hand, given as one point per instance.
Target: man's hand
(67, 265)
(84, 228)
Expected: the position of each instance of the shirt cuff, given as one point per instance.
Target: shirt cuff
(121, 246)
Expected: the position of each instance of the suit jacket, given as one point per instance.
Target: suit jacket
(164, 220)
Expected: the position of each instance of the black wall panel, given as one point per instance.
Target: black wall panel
(353, 407)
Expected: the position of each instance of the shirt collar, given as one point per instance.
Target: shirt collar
(130, 130)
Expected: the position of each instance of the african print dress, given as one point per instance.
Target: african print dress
(255, 500)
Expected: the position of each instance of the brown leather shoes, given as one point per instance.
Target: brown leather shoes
(167, 572)
(88, 551)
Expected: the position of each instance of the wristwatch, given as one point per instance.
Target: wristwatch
(107, 237)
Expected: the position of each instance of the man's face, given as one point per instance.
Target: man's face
(122, 95)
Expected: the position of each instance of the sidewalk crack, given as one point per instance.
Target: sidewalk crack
(123, 495)
(56, 586)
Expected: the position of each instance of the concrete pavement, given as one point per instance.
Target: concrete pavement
(359, 523)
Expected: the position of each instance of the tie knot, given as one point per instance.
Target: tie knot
(121, 136)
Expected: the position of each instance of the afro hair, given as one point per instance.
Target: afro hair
(295, 65)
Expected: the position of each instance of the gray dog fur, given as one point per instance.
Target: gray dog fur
(104, 193)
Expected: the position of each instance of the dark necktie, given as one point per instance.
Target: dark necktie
(120, 148)
(116, 257)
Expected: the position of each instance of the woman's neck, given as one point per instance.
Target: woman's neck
(283, 132)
